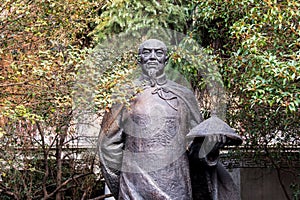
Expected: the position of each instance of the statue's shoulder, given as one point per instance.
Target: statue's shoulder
(180, 88)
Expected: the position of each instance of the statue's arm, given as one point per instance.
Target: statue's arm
(110, 147)
(207, 149)
(203, 150)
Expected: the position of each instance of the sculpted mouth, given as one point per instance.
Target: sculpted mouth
(152, 63)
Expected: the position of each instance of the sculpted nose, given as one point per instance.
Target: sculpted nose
(152, 55)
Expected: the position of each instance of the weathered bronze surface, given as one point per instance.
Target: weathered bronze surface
(144, 151)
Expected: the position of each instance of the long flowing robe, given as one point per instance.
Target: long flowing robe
(143, 149)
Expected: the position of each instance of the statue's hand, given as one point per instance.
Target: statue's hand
(218, 141)
(210, 148)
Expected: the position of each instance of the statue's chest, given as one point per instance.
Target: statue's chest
(154, 106)
(152, 122)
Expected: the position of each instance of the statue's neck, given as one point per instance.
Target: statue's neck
(159, 80)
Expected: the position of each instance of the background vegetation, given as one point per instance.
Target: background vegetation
(43, 44)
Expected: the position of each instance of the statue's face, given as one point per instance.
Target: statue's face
(153, 58)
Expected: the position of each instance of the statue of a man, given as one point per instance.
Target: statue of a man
(143, 149)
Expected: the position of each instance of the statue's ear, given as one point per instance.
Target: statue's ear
(167, 60)
(139, 59)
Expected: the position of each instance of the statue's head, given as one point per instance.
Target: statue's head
(153, 57)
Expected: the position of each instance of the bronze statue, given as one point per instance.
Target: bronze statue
(144, 150)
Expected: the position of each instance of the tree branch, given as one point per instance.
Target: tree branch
(102, 197)
(65, 183)
(6, 191)
(45, 154)
(15, 84)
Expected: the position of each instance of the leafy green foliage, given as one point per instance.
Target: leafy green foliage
(258, 47)
(261, 45)
(42, 45)
(132, 16)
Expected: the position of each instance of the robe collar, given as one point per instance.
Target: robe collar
(160, 80)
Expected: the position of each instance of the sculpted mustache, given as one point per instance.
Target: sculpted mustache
(154, 65)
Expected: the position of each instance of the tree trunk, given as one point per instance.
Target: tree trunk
(59, 148)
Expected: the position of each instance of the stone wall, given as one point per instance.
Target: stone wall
(263, 184)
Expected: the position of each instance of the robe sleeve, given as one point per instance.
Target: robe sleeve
(203, 151)
(199, 148)
(110, 147)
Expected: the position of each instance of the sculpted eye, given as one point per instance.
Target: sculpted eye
(159, 53)
(146, 52)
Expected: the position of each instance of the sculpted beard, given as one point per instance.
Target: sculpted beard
(152, 72)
